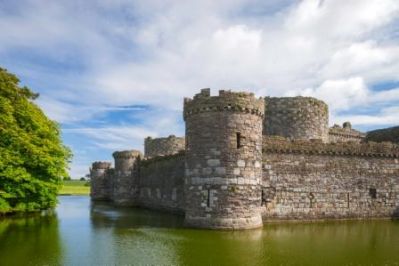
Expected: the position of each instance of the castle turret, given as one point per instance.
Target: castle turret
(126, 176)
(223, 160)
(100, 181)
(163, 146)
(301, 118)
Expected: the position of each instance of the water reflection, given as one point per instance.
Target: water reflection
(99, 234)
(32, 239)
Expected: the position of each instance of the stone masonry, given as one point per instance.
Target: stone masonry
(223, 160)
(345, 133)
(245, 161)
(296, 118)
(163, 146)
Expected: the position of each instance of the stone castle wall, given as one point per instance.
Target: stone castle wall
(345, 134)
(387, 134)
(163, 146)
(223, 160)
(296, 118)
(304, 180)
(231, 175)
(161, 183)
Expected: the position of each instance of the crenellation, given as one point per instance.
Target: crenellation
(247, 160)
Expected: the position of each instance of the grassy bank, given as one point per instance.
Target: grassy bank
(75, 187)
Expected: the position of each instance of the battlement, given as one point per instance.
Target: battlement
(163, 146)
(316, 147)
(127, 154)
(345, 133)
(101, 165)
(244, 157)
(226, 101)
(296, 118)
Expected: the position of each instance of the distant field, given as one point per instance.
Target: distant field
(75, 187)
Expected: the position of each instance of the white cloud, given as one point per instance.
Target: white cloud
(387, 116)
(372, 61)
(339, 94)
(161, 51)
(157, 52)
(338, 19)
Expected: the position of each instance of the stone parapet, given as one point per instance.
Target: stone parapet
(227, 101)
(370, 149)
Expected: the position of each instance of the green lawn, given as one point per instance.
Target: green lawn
(75, 187)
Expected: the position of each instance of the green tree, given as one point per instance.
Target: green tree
(33, 160)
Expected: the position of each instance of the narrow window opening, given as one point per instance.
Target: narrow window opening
(262, 199)
(311, 198)
(208, 198)
(347, 200)
(238, 140)
(373, 193)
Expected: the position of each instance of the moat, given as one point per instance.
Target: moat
(79, 233)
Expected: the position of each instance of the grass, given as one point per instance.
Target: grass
(75, 187)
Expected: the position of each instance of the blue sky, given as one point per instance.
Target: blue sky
(113, 72)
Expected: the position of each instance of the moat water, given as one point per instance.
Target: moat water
(78, 233)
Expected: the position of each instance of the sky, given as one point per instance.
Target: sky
(113, 72)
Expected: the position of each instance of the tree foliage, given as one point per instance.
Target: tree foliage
(33, 160)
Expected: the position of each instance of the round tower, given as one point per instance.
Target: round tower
(99, 181)
(163, 146)
(223, 160)
(126, 176)
(301, 118)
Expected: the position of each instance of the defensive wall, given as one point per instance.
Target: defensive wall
(345, 133)
(163, 146)
(313, 180)
(161, 183)
(232, 176)
(387, 134)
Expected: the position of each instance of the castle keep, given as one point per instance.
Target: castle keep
(246, 160)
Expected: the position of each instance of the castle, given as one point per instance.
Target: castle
(247, 160)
